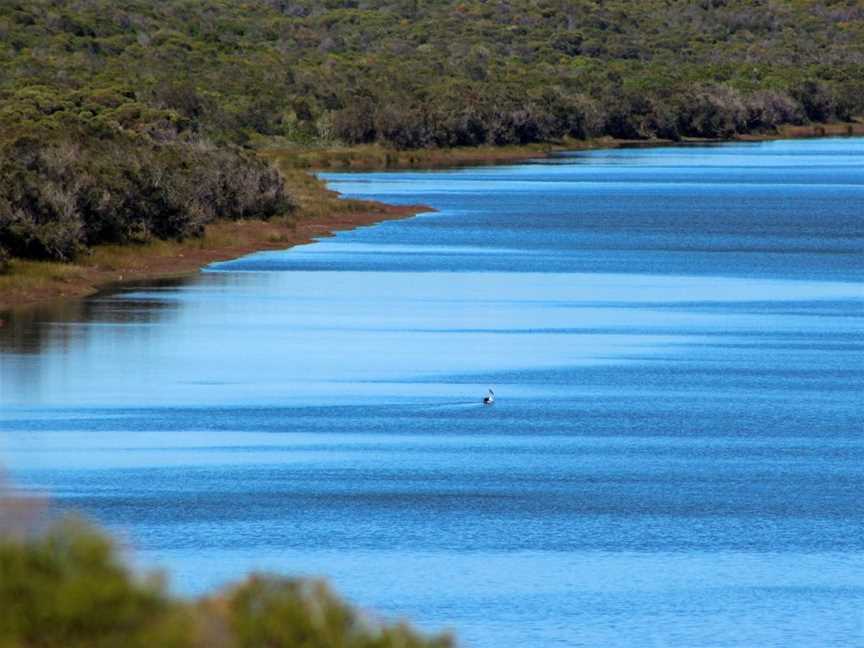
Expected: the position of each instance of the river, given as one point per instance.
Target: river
(675, 457)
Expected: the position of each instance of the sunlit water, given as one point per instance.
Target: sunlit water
(675, 459)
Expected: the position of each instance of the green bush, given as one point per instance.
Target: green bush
(66, 588)
(61, 195)
(270, 611)
(407, 73)
(104, 103)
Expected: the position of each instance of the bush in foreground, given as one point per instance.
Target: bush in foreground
(67, 587)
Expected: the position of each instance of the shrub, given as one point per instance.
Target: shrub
(271, 611)
(61, 195)
(770, 108)
(354, 124)
(67, 588)
(817, 99)
(715, 111)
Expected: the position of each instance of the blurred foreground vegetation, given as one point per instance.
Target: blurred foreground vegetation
(65, 587)
(126, 120)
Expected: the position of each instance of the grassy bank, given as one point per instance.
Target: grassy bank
(844, 129)
(320, 213)
(370, 157)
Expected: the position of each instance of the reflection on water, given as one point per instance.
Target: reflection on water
(675, 458)
(32, 340)
(51, 327)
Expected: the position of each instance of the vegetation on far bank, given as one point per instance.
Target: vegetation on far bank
(132, 121)
(374, 157)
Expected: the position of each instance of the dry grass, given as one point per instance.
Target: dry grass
(371, 157)
(24, 276)
(822, 130)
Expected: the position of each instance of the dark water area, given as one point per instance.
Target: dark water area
(676, 339)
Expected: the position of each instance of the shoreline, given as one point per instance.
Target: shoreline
(37, 283)
(322, 213)
(375, 158)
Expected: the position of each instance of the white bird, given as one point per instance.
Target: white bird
(490, 398)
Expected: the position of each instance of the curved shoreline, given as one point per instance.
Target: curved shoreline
(112, 267)
(325, 213)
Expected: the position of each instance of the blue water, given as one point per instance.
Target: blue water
(676, 338)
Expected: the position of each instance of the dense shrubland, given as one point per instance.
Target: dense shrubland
(59, 197)
(120, 96)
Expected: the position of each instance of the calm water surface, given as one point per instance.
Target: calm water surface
(676, 458)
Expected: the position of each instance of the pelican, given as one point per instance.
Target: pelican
(489, 398)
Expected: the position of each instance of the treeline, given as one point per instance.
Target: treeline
(166, 76)
(470, 118)
(60, 196)
(67, 588)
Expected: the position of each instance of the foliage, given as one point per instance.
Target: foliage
(107, 77)
(60, 196)
(271, 611)
(67, 588)
(430, 73)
